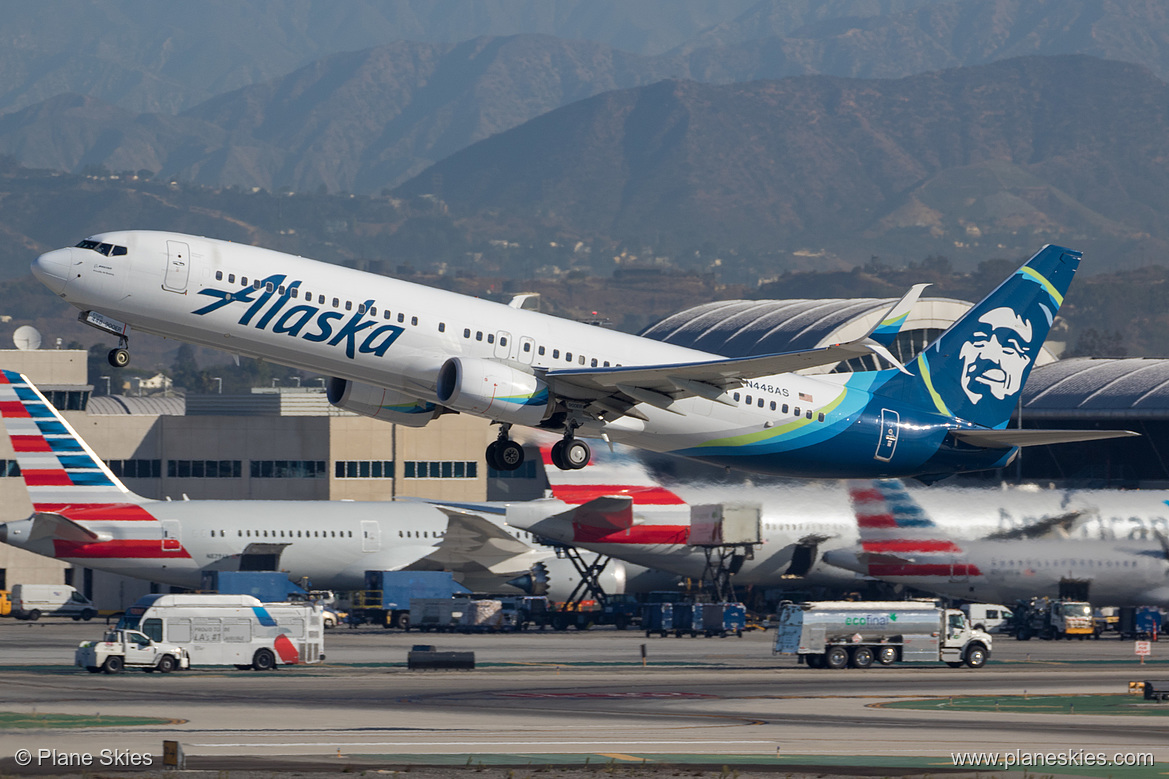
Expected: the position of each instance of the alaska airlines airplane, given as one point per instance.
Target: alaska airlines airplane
(82, 514)
(407, 353)
(901, 544)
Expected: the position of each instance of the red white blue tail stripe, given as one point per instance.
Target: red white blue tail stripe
(898, 538)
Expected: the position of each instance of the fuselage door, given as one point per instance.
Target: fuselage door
(172, 535)
(178, 266)
(503, 345)
(371, 536)
(527, 350)
(890, 426)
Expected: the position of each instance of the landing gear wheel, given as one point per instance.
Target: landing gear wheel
(576, 453)
(492, 456)
(509, 455)
(119, 358)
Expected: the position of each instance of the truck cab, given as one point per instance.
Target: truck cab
(120, 649)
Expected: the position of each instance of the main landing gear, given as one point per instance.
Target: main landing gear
(120, 357)
(504, 454)
(571, 453)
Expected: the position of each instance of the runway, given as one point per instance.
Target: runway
(563, 697)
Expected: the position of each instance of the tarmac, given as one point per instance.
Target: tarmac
(573, 704)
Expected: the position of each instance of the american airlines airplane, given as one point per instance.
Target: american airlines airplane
(900, 543)
(407, 353)
(82, 514)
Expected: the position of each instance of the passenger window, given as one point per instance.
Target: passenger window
(373, 310)
(527, 346)
(401, 318)
(821, 417)
(336, 302)
(219, 275)
(269, 286)
(593, 364)
(555, 354)
(568, 356)
(414, 320)
(748, 400)
(231, 278)
(581, 359)
(784, 409)
(295, 292)
(243, 280)
(606, 363)
(503, 340)
(540, 351)
(361, 308)
(773, 405)
(760, 403)
(442, 327)
(256, 284)
(809, 414)
(796, 411)
(479, 336)
(348, 305)
(386, 314)
(466, 332)
(280, 289)
(490, 338)
(320, 300)
(736, 396)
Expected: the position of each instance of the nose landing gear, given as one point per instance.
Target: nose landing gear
(120, 357)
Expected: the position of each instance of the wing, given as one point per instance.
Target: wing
(613, 392)
(1005, 439)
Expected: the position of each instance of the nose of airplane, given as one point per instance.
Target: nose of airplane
(52, 269)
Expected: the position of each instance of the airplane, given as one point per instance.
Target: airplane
(901, 544)
(84, 515)
(408, 353)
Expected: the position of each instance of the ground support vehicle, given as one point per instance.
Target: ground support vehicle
(1140, 623)
(121, 649)
(836, 634)
(388, 595)
(658, 618)
(991, 617)
(33, 601)
(264, 586)
(233, 630)
(1053, 618)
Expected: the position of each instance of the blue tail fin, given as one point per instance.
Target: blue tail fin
(975, 370)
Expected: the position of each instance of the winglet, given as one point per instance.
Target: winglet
(890, 325)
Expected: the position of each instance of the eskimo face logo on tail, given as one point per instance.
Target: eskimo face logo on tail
(995, 359)
(266, 305)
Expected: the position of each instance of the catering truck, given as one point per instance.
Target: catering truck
(836, 634)
(234, 630)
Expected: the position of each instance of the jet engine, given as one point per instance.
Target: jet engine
(379, 403)
(491, 389)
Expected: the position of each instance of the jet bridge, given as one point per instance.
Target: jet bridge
(727, 534)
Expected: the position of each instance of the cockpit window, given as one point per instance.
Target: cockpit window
(108, 249)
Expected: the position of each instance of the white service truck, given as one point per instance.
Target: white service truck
(121, 649)
(836, 634)
(234, 630)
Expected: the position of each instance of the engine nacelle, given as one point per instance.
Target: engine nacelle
(379, 403)
(491, 389)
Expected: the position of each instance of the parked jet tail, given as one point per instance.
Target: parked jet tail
(58, 467)
(897, 537)
(975, 369)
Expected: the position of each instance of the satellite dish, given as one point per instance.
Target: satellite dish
(27, 338)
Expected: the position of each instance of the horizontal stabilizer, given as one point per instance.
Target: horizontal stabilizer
(1005, 439)
(611, 512)
(59, 528)
(1061, 525)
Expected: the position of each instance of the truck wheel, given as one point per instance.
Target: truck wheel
(113, 665)
(93, 669)
(954, 663)
(166, 664)
(836, 657)
(862, 657)
(263, 660)
(887, 655)
(242, 667)
(401, 620)
(88, 614)
(32, 616)
(621, 622)
(976, 656)
(814, 661)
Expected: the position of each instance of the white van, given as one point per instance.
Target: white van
(991, 617)
(33, 601)
(234, 630)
